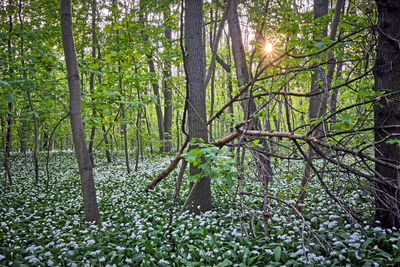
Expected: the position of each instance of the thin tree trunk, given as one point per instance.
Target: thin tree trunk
(179, 180)
(213, 32)
(156, 92)
(103, 127)
(28, 93)
(137, 137)
(106, 143)
(82, 153)
(91, 82)
(7, 174)
(9, 105)
(319, 83)
(122, 108)
(167, 90)
(177, 130)
(334, 96)
(148, 128)
(332, 61)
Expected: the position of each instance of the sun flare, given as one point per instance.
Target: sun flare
(268, 48)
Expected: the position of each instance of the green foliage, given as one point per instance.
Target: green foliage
(212, 161)
(393, 141)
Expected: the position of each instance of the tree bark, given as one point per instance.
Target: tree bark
(122, 108)
(91, 82)
(317, 106)
(249, 106)
(156, 92)
(28, 94)
(195, 70)
(78, 135)
(7, 147)
(387, 112)
(167, 90)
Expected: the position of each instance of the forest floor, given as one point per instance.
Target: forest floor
(47, 228)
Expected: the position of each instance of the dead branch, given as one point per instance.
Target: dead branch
(169, 169)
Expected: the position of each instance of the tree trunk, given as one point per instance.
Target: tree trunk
(91, 82)
(317, 106)
(156, 92)
(7, 147)
(249, 107)
(28, 94)
(213, 32)
(138, 132)
(387, 112)
(122, 108)
(148, 126)
(195, 70)
(167, 90)
(78, 135)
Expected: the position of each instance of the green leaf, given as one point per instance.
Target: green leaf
(277, 254)
(4, 84)
(396, 260)
(393, 142)
(148, 246)
(320, 45)
(225, 263)
(367, 242)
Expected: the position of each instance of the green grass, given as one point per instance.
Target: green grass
(39, 228)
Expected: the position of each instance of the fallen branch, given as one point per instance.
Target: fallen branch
(219, 143)
(259, 133)
(169, 169)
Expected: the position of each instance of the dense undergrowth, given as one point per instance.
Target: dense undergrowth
(138, 228)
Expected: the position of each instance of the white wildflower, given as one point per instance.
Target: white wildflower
(32, 259)
(162, 261)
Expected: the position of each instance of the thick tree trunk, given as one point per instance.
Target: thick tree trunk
(78, 135)
(195, 69)
(387, 112)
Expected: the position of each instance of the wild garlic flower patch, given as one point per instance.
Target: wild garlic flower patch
(39, 228)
